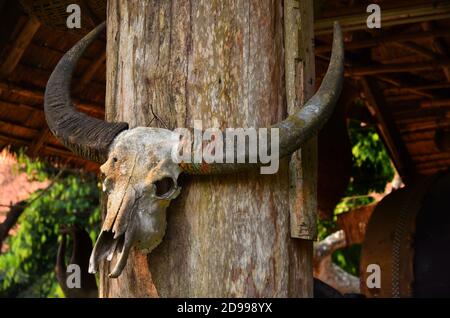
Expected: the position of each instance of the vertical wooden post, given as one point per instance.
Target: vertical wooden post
(221, 62)
(300, 75)
(300, 82)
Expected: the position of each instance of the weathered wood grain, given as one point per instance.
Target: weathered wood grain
(170, 63)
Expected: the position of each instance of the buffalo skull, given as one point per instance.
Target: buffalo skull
(140, 175)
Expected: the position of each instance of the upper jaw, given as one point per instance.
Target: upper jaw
(107, 247)
(144, 229)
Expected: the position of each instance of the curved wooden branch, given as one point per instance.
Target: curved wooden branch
(327, 271)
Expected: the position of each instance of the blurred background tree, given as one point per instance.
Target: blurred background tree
(372, 170)
(72, 198)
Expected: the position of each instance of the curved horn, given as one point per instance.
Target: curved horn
(295, 130)
(300, 127)
(86, 136)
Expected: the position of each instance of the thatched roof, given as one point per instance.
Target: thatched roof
(401, 72)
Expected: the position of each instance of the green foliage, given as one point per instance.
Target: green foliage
(326, 227)
(27, 268)
(348, 258)
(36, 170)
(371, 171)
(372, 167)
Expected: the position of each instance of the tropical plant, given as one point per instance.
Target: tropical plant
(27, 268)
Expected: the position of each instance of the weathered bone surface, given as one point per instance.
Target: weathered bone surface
(141, 180)
(140, 176)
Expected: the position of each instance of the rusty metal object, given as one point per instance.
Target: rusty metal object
(389, 241)
(354, 223)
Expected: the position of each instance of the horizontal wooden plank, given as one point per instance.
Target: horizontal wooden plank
(406, 14)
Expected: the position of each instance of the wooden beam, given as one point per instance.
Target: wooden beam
(400, 90)
(434, 103)
(23, 92)
(89, 15)
(90, 72)
(38, 142)
(49, 149)
(300, 75)
(8, 104)
(38, 95)
(14, 125)
(431, 156)
(431, 171)
(434, 164)
(421, 126)
(439, 47)
(413, 47)
(402, 98)
(421, 114)
(387, 38)
(397, 83)
(361, 6)
(397, 68)
(416, 125)
(19, 46)
(394, 16)
(387, 128)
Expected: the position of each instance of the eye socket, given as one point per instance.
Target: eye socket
(164, 187)
(114, 159)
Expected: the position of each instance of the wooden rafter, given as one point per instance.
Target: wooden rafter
(386, 127)
(38, 95)
(431, 156)
(420, 115)
(89, 14)
(13, 124)
(51, 150)
(420, 50)
(400, 84)
(421, 126)
(434, 10)
(38, 142)
(397, 68)
(90, 72)
(435, 103)
(353, 71)
(400, 90)
(19, 46)
(388, 38)
(12, 105)
(439, 47)
(424, 104)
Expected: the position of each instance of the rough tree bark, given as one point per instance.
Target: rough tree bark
(12, 216)
(170, 63)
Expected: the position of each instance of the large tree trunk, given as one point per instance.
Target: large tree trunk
(170, 63)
